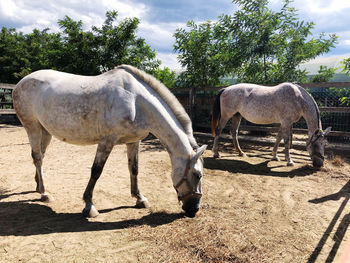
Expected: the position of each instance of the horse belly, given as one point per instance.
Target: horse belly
(87, 133)
(72, 130)
(261, 117)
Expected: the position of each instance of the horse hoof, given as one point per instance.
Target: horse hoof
(216, 156)
(275, 159)
(142, 204)
(291, 163)
(242, 154)
(46, 198)
(92, 212)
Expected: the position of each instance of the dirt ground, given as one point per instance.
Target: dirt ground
(253, 209)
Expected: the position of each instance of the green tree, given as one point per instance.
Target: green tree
(344, 93)
(118, 44)
(346, 66)
(324, 74)
(75, 50)
(269, 45)
(255, 44)
(12, 54)
(79, 49)
(37, 47)
(199, 55)
(166, 76)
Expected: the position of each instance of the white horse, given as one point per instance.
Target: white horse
(284, 104)
(121, 106)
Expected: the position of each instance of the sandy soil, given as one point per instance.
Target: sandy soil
(254, 210)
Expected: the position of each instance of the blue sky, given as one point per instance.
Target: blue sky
(160, 18)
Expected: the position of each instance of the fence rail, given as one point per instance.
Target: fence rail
(6, 105)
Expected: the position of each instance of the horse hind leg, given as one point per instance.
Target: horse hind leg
(218, 130)
(39, 139)
(236, 121)
(277, 143)
(133, 152)
(286, 134)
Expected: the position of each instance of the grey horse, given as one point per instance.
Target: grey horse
(121, 106)
(285, 104)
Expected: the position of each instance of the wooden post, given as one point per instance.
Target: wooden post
(191, 103)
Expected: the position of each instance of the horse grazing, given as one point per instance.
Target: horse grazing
(121, 106)
(284, 104)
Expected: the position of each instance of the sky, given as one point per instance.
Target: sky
(160, 18)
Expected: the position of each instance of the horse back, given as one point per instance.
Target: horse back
(77, 108)
(263, 104)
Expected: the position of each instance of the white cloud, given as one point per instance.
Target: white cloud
(8, 8)
(313, 65)
(41, 13)
(169, 60)
(159, 36)
(25, 15)
(346, 42)
(324, 6)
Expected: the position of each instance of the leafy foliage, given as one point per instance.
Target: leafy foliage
(166, 76)
(255, 44)
(324, 74)
(344, 93)
(346, 65)
(200, 55)
(75, 50)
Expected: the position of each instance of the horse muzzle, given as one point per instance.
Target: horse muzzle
(317, 161)
(191, 205)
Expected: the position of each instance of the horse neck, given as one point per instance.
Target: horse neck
(311, 115)
(171, 134)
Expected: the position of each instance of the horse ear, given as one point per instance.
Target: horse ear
(327, 131)
(198, 153)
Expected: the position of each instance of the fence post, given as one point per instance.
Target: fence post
(191, 103)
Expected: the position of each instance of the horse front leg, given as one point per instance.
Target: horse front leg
(133, 153)
(104, 148)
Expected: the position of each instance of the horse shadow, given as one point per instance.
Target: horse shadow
(262, 168)
(30, 217)
(339, 234)
(152, 144)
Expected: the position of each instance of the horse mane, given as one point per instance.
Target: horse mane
(314, 103)
(169, 98)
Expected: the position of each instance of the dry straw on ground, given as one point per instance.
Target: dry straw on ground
(254, 210)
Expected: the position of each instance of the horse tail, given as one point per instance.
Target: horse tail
(216, 112)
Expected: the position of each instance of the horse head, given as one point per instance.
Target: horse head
(189, 186)
(316, 146)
